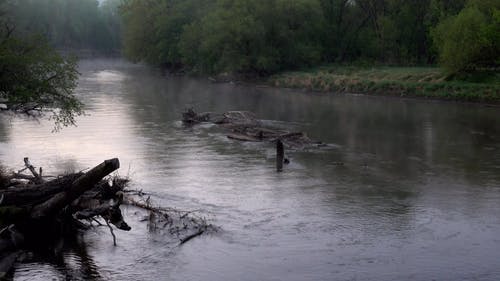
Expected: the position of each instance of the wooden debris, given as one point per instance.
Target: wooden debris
(244, 126)
(38, 176)
(189, 237)
(191, 117)
(184, 225)
(39, 209)
(78, 187)
(36, 213)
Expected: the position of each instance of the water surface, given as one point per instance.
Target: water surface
(409, 190)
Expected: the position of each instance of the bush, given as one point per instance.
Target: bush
(262, 36)
(469, 41)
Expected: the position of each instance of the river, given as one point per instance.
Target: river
(407, 190)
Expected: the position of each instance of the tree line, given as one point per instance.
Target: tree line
(266, 36)
(69, 24)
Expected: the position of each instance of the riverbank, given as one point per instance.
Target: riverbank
(418, 82)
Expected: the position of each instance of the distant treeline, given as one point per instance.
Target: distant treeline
(266, 36)
(68, 24)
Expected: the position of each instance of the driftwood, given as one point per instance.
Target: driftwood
(244, 126)
(37, 175)
(38, 209)
(33, 194)
(184, 225)
(77, 188)
(37, 213)
(191, 117)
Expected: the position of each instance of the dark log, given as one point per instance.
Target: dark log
(191, 117)
(78, 187)
(17, 176)
(243, 137)
(7, 260)
(197, 233)
(6, 245)
(244, 126)
(280, 155)
(109, 211)
(35, 194)
(292, 135)
(240, 118)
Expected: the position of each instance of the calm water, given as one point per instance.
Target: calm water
(418, 196)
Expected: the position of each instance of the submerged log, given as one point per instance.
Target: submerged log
(244, 126)
(243, 137)
(191, 117)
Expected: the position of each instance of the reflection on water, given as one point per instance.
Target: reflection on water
(415, 199)
(67, 260)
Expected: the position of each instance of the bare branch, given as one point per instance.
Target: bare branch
(112, 232)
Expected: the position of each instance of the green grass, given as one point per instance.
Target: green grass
(425, 82)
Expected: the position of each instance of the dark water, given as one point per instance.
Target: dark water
(417, 196)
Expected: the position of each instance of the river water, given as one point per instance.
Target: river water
(407, 190)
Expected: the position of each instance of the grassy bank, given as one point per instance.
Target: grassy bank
(424, 82)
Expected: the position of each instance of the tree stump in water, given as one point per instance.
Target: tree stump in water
(280, 155)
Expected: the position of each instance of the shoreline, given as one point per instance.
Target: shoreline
(409, 82)
(420, 83)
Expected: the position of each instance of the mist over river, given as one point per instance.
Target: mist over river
(407, 190)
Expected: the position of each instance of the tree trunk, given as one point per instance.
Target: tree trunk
(78, 187)
(35, 194)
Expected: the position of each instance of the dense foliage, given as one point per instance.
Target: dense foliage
(34, 78)
(471, 39)
(265, 36)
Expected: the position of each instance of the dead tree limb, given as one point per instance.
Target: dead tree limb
(112, 232)
(186, 239)
(38, 176)
(34, 194)
(78, 187)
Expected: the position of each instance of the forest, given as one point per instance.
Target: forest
(254, 38)
(268, 36)
(265, 37)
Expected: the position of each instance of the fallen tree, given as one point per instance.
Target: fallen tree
(244, 126)
(36, 212)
